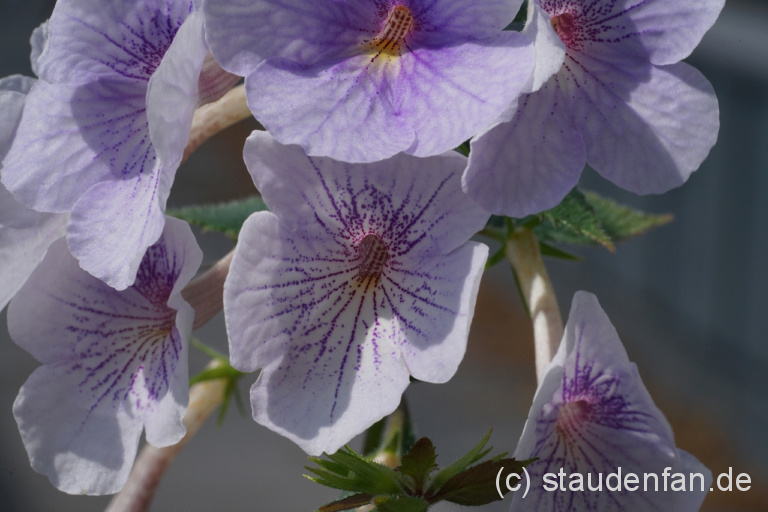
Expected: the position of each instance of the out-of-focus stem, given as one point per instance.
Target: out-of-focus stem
(205, 293)
(150, 465)
(211, 118)
(523, 253)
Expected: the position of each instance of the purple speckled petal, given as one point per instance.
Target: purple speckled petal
(105, 38)
(113, 362)
(592, 415)
(656, 30)
(114, 222)
(360, 276)
(71, 137)
(323, 339)
(423, 298)
(429, 205)
(550, 50)
(172, 92)
(528, 164)
(646, 129)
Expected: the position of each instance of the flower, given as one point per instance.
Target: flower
(362, 81)
(619, 100)
(360, 277)
(104, 130)
(114, 362)
(592, 417)
(24, 234)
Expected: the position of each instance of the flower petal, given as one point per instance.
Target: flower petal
(345, 111)
(530, 163)
(244, 33)
(99, 134)
(427, 210)
(592, 416)
(434, 305)
(98, 38)
(645, 129)
(448, 94)
(115, 221)
(113, 362)
(550, 50)
(172, 93)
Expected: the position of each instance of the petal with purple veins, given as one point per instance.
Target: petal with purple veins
(530, 163)
(96, 38)
(356, 296)
(645, 129)
(592, 415)
(118, 363)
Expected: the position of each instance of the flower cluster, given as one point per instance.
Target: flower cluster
(362, 275)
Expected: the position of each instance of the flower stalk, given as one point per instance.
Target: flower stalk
(522, 250)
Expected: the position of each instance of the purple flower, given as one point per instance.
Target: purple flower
(362, 81)
(592, 417)
(619, 100)
(104, 130)
(114, 362)
(24, 234)
(360, 277)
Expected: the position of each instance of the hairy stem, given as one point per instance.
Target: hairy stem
(205, 293)
(150, 465)
(211, 118)
(523, 253)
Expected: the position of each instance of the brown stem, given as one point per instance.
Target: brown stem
(523, 253)
(150, 465)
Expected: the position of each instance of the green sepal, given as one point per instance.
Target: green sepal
(419, 463)
(348, 503)
(226, 218)
(225, 371)
(348, 471)
(475, 454)
(477, 485)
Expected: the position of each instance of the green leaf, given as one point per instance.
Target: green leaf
(621, 222)
(573, 221)
(226, 218)
(477, 485)
(554, 252)
(460, 465)
(400, 504)
(419, 462)
(586, 218)
(348, 503)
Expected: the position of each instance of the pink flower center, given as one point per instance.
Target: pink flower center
(397, 26)
(567, 28)
(571, 416)
(372, 254)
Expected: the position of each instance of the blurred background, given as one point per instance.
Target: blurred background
(690, 302)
